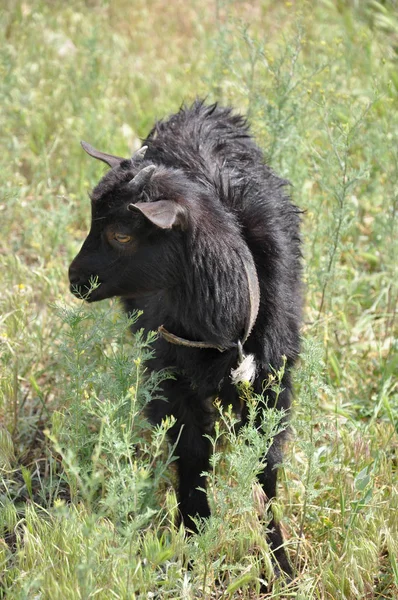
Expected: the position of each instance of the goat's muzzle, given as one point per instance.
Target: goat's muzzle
(79, 286)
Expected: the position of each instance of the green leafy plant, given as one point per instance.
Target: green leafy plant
(87, 507)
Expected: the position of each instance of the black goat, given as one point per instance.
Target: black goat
(196, 231)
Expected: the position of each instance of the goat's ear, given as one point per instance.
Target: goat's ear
(164, 214)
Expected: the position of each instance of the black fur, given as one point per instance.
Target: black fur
(230, 208)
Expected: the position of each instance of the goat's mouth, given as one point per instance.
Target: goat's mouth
(88, 292)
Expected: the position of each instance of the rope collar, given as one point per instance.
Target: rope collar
(179, 341)
(254, 304)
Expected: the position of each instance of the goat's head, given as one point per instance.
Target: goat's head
(138, 215)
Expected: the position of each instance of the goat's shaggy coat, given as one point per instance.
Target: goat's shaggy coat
(203, 209)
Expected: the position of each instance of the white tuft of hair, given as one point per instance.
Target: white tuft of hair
(245, 371)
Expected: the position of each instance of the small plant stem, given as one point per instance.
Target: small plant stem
(307, 484)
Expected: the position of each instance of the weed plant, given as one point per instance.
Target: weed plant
(87, 507)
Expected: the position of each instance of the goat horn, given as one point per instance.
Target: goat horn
(143, 177)
(109, 159)
(139, 155)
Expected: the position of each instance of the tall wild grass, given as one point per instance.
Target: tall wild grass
(87, 507)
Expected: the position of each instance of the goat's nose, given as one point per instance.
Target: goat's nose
(74, 277)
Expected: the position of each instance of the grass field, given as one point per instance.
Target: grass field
(87, 508)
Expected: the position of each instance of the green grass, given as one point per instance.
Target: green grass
(87, 508)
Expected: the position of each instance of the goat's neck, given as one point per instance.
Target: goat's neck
(212, 301)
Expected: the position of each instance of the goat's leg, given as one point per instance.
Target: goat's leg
(193, 420)
(193, 458)
(268, 478)
(268, 481)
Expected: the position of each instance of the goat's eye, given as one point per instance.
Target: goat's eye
(122, 238)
